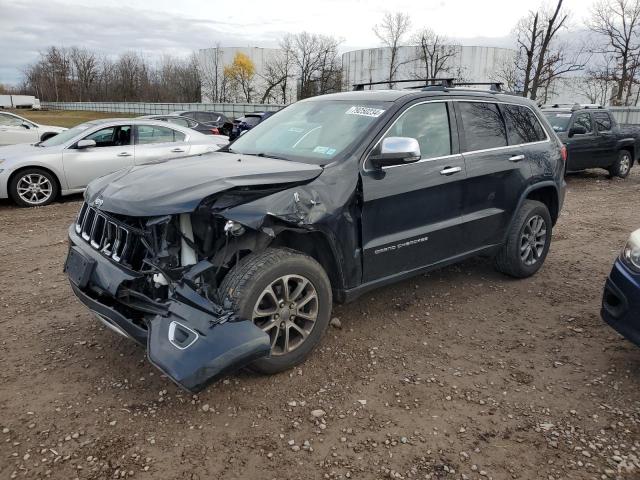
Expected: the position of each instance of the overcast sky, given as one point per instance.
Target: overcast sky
(157, 27)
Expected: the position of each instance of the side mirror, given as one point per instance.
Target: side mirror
(26, 125)
(396, 151)
(86, 144)
(576, 130)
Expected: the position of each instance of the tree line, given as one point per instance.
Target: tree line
(605, 67)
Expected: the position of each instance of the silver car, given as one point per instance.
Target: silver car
(35, 174)
(16, 129)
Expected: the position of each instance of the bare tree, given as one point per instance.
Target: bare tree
(211, 71)
(434, 52)
(276, 76)
(541, 57)
(315, 60)
(85, 65)
(391, 31)
(618, 22)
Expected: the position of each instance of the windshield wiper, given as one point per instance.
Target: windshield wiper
(267, 155)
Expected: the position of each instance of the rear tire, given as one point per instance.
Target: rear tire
(622, 165)
(33, 187)
(271, 288)
(527, 242)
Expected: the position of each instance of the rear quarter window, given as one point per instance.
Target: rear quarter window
(523, 125)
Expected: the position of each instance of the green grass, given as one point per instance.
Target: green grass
(65, 118)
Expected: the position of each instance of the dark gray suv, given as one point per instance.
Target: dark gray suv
(234, 258)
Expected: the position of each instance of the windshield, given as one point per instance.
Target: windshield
(64, 137)
(310, 131)
(558, 120)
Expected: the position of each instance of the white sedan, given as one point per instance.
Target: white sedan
(35, 174)
(16, 129)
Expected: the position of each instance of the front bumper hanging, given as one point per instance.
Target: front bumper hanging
(191, 344)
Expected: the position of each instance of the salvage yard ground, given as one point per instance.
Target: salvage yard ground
(462, 373)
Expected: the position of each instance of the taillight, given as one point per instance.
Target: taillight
(563, 153)
(215, 131)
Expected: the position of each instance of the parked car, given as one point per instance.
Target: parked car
(332, 197)
(35, 174)
(594, 139)
(247, 122)
(621, 299)
(16, 129)
(210, 119)
(186, 122)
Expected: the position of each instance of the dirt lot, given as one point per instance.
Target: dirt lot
(461, 373)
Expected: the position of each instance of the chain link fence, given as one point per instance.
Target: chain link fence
(232, 110)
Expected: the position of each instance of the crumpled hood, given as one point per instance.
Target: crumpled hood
(179, 185)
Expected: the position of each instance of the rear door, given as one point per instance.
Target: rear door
(496, 172)
(113, 151)
(581, 147)
(154, 144)
(411, 212)
(13, 131)
(605, 153)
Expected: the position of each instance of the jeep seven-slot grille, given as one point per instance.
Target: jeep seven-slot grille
(110, 237)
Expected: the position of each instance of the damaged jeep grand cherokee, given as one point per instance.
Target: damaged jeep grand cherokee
(234, 258)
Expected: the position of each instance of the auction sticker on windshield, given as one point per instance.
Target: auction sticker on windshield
(364, 111)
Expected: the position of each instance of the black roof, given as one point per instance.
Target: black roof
(407, 95)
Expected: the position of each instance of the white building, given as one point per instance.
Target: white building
(473, 64)
(213, 60)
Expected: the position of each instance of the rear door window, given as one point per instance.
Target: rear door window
(149, 134)
(482, 126)
(603, 121)
(522, 125)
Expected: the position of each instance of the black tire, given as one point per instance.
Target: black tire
(622, 165)
(510, 259)
(47, 136)
(245, 285)
(18, 181)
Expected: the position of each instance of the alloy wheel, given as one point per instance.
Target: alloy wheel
(533, 240)
(287, 310)
(34, 188)
(625, 165)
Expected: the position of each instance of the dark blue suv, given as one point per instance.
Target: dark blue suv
(621, 299)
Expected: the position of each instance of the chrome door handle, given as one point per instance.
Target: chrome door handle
(516, 158)
(124, 154)
(450, 170)
(177, 150)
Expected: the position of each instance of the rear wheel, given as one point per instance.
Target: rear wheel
(287, 295)
(622, 165)
(527, 242)
(33, 187)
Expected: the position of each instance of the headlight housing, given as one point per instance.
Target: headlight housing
(631, 251)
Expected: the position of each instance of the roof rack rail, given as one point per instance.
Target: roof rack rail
(493, 86)
(428, 82)
(573, 106)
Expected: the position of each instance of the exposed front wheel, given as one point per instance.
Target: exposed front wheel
(33, 187)
(622, 165)
(287, 295)
(527, 242)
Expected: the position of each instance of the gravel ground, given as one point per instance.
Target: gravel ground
(461, 373)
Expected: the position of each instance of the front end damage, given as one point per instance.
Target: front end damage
(148, 254)
(155, 280)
